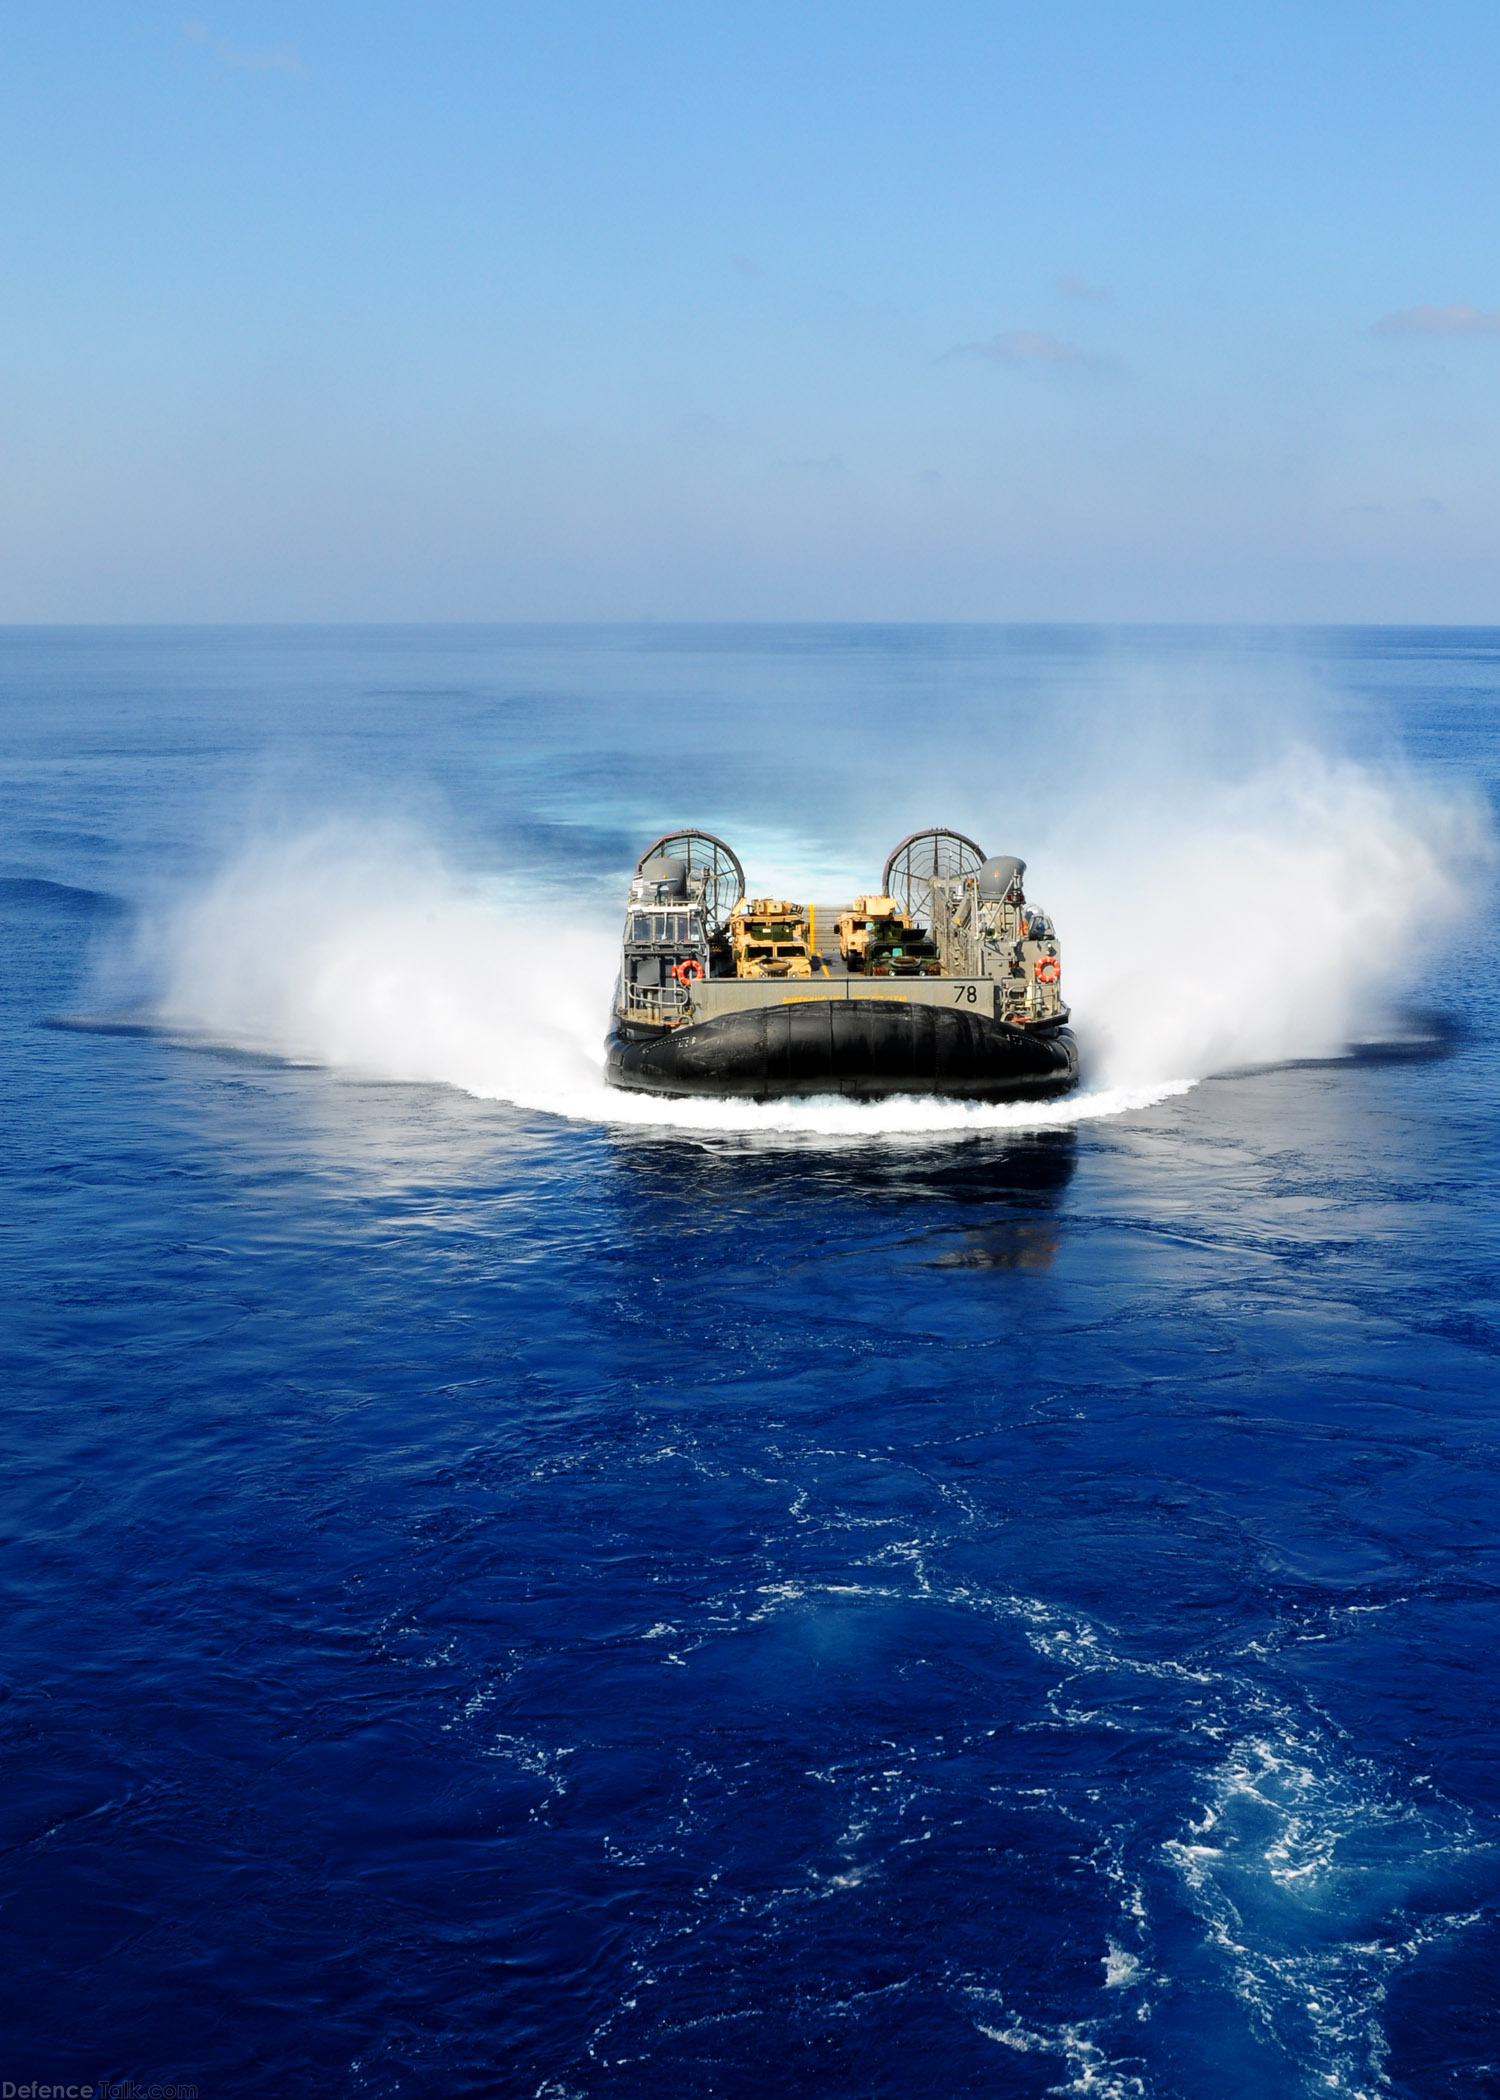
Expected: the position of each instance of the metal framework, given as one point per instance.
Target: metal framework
(724, 883)
(922, 856)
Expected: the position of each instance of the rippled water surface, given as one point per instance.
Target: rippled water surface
(501, 1599)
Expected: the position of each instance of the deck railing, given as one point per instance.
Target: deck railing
(660, 1005)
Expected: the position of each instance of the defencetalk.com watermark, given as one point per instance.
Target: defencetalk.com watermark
(98, 2089)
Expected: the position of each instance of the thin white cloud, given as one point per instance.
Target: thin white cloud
(283, 59)
(1019, 347)
(1072, 286)
(1439, 320)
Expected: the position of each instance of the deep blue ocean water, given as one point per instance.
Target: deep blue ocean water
(507, 1603)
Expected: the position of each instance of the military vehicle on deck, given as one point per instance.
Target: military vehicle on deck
(878, 939)
(771, 938)
(944, 981)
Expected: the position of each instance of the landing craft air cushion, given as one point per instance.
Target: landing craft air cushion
(945, 981)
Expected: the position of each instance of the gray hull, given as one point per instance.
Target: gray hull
(864, 1048)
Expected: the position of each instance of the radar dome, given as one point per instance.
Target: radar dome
(1001, 873)
(667, 871)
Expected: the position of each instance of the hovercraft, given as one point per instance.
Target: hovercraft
(944, 981)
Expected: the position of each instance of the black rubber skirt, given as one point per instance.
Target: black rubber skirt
(866, 1048)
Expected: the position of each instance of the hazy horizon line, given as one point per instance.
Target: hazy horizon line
(648, 622)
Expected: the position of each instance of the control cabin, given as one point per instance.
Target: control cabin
(666, 943)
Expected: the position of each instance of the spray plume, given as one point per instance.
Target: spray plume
(1261, 921)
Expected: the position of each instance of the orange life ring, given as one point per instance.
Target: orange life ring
(685, 972)
(1048, 969)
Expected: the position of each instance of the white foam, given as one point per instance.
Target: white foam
(1085, 2067)
(1310, 1869)
(1121, 1967)
(1302, 1858)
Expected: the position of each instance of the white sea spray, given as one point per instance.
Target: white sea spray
(1227, 924)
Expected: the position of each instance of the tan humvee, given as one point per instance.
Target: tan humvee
(878, 939)
(771, 938)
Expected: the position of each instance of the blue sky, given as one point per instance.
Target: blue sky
(815, 311)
